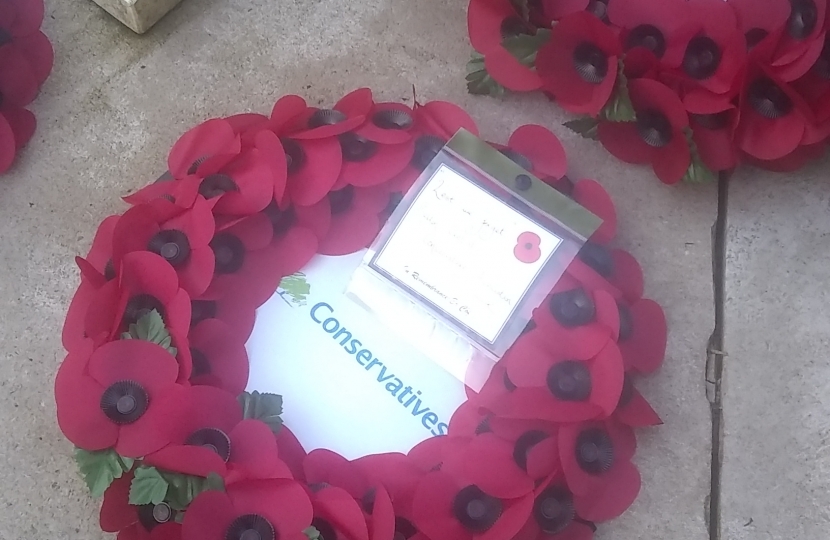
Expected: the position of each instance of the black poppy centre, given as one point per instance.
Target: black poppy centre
(524, 443)
(216, 185)
(599, 8)
(554, 510)
(572, 308)
(124, 402)
(325, 117)
(569, 381)
(803, 19)
(594, 451)
(654, 128)
(426, 148)
(250, 527)
(647, 36)
(393, 119)
(598, 258)
(341, 200)
(476, 510)
(294, 154)
(213, 439)
(702, 58)
(590, 62)
(229, 252)
(356, 148)
(172, 245)
(768, 99)
(152, 515)
(281, 219)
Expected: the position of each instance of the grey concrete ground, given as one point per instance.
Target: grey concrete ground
(776, 483)
(116, 102)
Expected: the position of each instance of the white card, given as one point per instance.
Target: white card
(348, 384)
(466, 252)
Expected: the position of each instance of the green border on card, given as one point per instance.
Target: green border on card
(539, 195)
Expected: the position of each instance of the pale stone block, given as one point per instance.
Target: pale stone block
(138, 15)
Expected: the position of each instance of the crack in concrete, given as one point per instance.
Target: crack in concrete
(715, 355)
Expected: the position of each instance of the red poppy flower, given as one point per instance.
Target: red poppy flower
(211, 437)
(633, 409)
(21, 17)
(773, 117)
(649, 25)
(435, 124)
(537, 150)
(308, 136)
(615, 271)
(489, 21)
(579, 63)
(446, 507)
(708, 53)
(554, 516)
(265, 509)
(802, 39)
(147, 522)
(18, 88)
(396, 472)
(246, 262)
(219, 357)
(179, 236)
(338, 515)
(642, 338)
(355, 218)
(560, 387)
(144, 282)
(657, 137)
(506, 467)
(577, 322)
(210, 160)
(96, 270)
(373, 482)
(122, 395)
(367, 163)
(596, 459)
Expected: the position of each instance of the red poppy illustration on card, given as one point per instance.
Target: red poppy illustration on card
(527, 247)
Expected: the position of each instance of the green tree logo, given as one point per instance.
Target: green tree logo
(294, 289)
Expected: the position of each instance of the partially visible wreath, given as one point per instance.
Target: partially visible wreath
(152, 389)
(690, 87)
(26, 59)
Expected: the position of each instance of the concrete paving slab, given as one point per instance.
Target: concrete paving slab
(776, 470)
(116, 102)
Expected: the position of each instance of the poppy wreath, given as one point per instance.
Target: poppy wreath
(26, 59)
(690, 87)
(152, 390)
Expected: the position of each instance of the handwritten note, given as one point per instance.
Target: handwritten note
(466, 252)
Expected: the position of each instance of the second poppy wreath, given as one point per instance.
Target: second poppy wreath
(691, 87)
(153, 389)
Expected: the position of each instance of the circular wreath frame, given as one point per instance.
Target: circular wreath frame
(152, 391)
